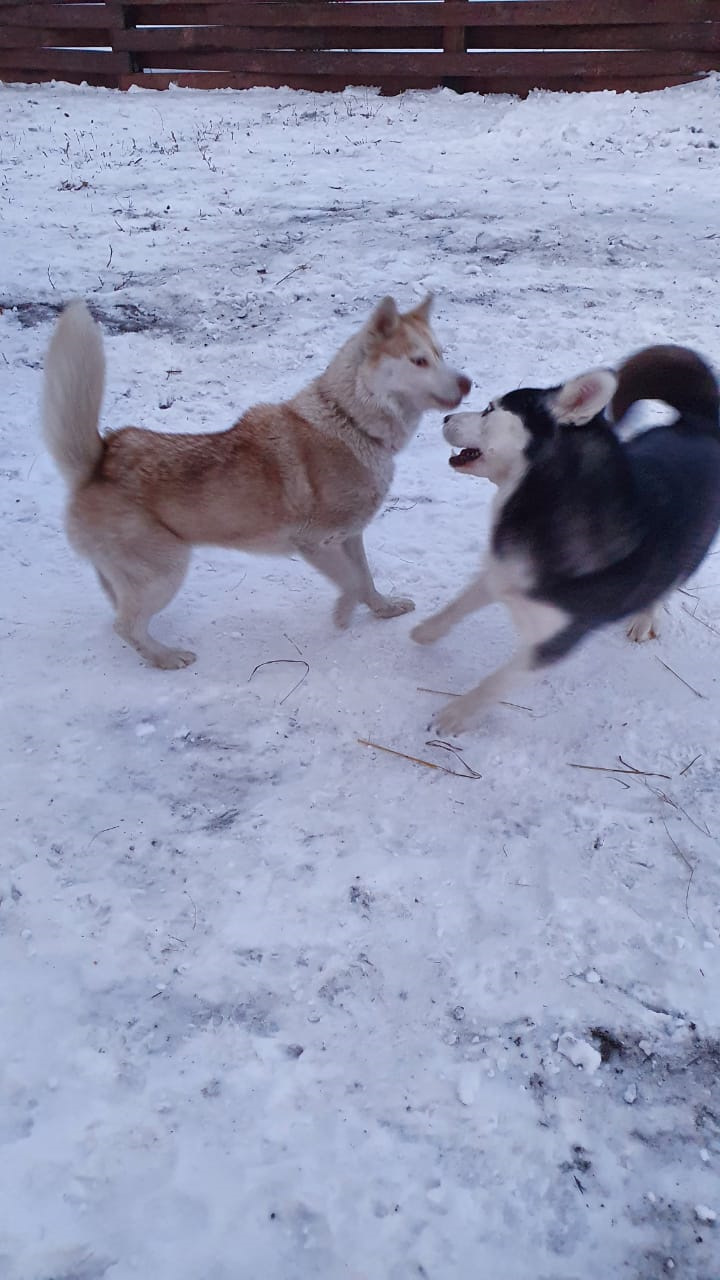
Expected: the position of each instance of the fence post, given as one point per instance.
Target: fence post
(453, 42)
(119, 20)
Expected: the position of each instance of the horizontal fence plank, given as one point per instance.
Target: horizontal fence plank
(321, 84)
(56, 37)
(352, 38)
(581, 84)
(665, 36)
(234, 80)
(74, 17)
(560, 63)
(661, 35)
(364, 13)
(83, 32)
(32, 6)
(95, 79)
(59, 60)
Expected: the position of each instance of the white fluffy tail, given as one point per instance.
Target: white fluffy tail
(73, 393)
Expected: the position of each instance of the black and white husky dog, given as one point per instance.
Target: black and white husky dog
(586, 529)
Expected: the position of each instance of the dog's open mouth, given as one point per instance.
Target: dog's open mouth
(464, 457)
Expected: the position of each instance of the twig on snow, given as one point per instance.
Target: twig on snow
(691, 868)
(661, 795)
(680, 678)
(692, 614)
(303, 267)
(428, 764)
(273, 661)
(622, 768)
(192, 903)
(642, 772)
(102, 832)
(445, 693)
(441, 745)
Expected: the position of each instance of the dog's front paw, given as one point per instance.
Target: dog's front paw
(643, 628)
(450, 719)
(393, 606)
(174, 659)
(343, 612)
(428, 632)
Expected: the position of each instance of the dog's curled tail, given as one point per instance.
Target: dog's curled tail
(73, 393)
(677, 376)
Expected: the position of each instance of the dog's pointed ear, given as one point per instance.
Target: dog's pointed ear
(581, 399)
(385, 319)
(423, 309)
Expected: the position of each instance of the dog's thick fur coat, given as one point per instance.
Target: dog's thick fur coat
(302, 477)
(586, 529)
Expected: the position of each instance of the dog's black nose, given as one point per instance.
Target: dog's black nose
(446, 419)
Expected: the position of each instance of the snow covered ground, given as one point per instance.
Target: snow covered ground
(276, 1005)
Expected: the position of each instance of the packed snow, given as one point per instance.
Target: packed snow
(275, 1003)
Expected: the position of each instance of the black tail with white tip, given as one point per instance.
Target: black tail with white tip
(677, 376)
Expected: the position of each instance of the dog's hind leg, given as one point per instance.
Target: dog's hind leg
(477, 595)
(140, 563)
(136, 606)
(382, 606)
(142, 588)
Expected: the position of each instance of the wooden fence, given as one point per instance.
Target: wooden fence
(488, 47)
